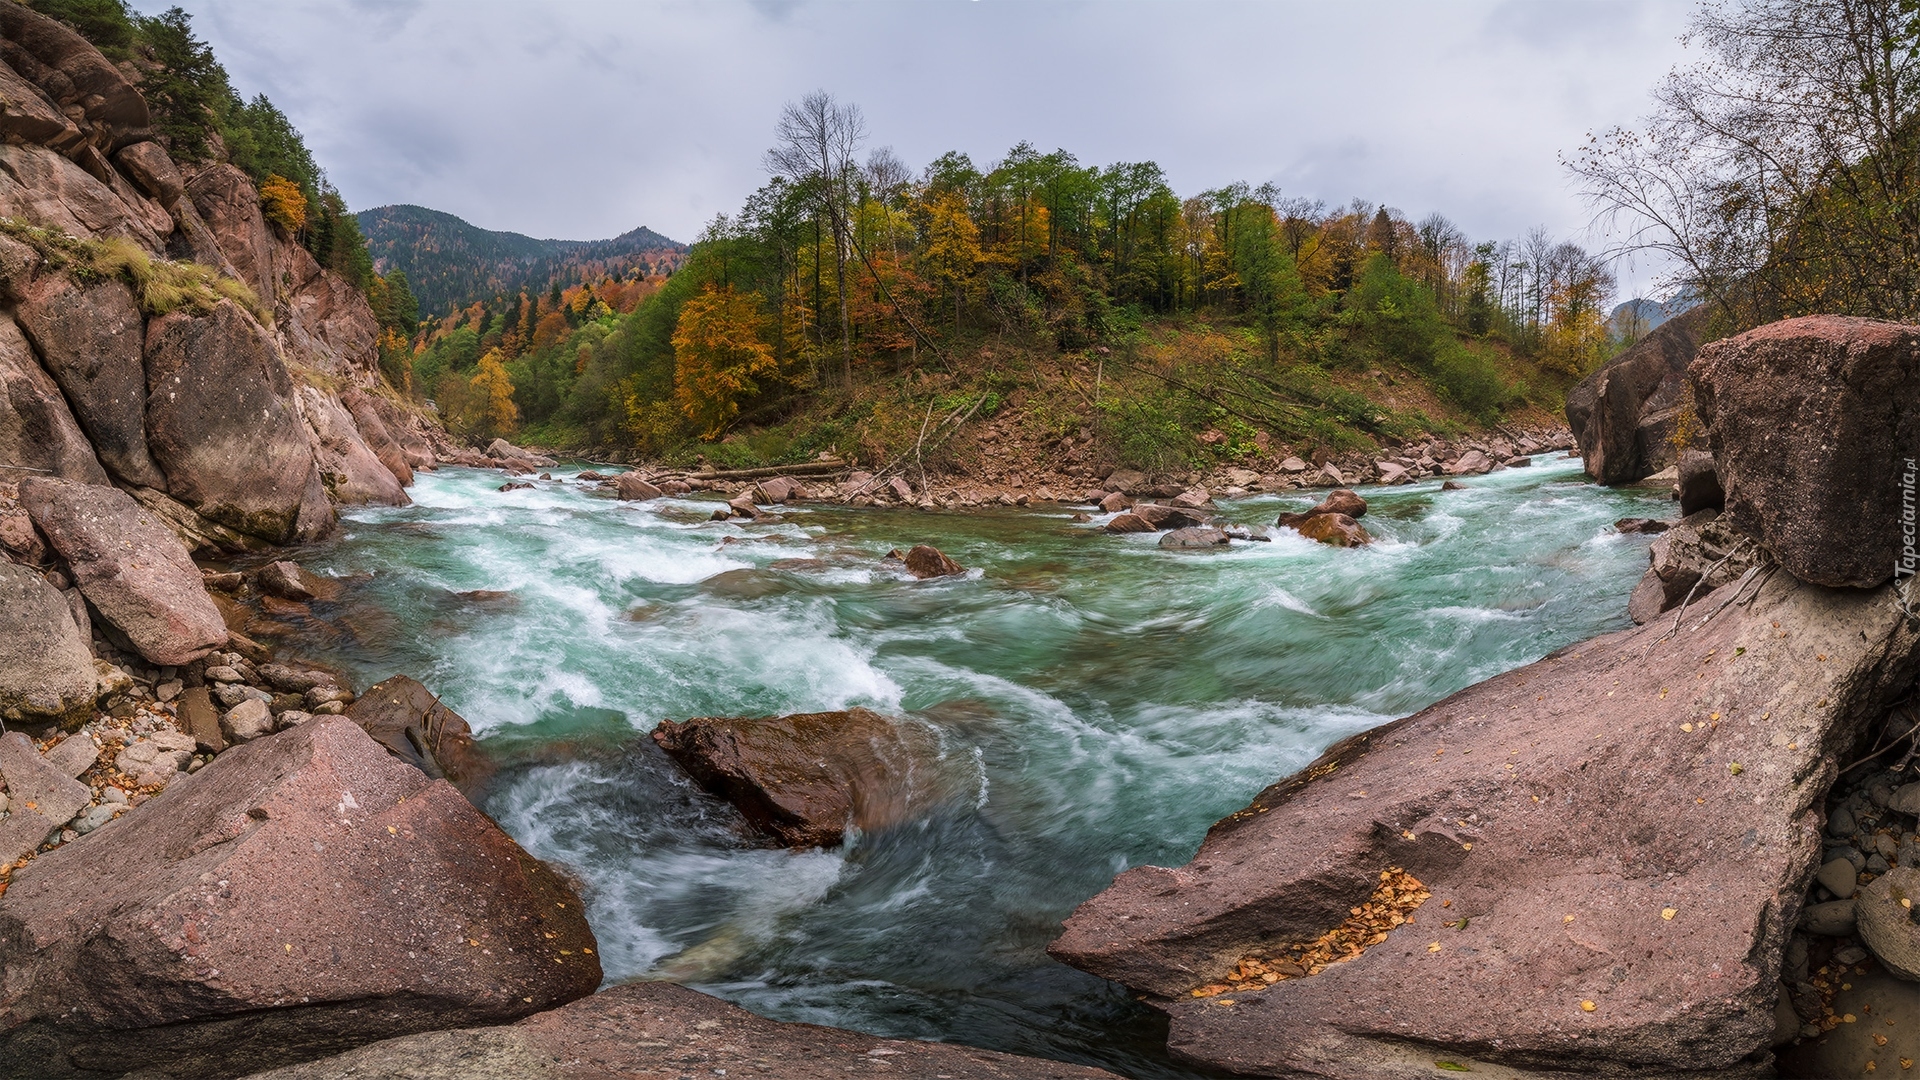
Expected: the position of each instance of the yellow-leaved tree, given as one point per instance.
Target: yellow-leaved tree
(953, 245)
(718, 350)
(283, 203)
(495, 389)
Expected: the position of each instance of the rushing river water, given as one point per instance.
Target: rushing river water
(1099, 702)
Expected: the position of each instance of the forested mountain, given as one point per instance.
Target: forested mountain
(451, 263)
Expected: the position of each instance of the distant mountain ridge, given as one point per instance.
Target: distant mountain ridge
(451, 262)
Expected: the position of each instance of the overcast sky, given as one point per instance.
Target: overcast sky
(583, 119)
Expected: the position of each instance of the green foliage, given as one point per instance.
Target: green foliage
(1149, 430)
(1468, 378)
(109, 24)
(188, 85)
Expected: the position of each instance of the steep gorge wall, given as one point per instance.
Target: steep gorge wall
(260, 418)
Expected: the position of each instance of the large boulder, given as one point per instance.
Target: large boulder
(46, 669)
(28, 117)
(926, 561)
(655, 1029)
(130, 566)
(351, 472)
(1623, 415)
(1815, 434)
(804, 779)
(301, 895)
(1614, 844)
(152, 171)
(222, 424)
(37, 431)
(410, 721)
(1334, 530)
(89, 338)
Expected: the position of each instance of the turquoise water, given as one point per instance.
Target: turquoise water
(1097, 702)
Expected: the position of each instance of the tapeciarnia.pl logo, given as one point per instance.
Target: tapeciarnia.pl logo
(1908, 563)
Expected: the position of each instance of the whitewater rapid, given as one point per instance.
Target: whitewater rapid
(1098, 702)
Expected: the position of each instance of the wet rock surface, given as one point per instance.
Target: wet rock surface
(1572, 820)
(805, 779)
(411, 723)
(658, 1031)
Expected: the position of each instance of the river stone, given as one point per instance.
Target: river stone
(1833, 919)
(1114, 503)
(1160, 516)
(74, 754)
(46, 669)
(1839, 877)
(631, 485)
(222, 424)
(247, 721)
(803, 779)
(130, 566)
(299, 896)
(1341, 501)
(1615, 840)
(1334, 530)
(1128, 523)
(1814, 437)
(657, 1029)
(1623, 414)
(926, 561)
(201, 720)
(1193, 536)
(1905, 800)
(410, 721)
(1885, 913)
(1840, 823)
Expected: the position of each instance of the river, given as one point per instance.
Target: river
(1100, 702)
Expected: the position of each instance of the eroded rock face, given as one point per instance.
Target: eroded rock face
(37, 429)
(323, 319)
(46, 668)
(230, 207)
(221, 423)
(72, 72)
(379, 439)
(803, 779)
(1591, 848)
(89, 339)
(41, 186)
(1623, 414)
(1693, 557)
(349, 469)
(130, 566)
(301, 895)
(1813, 424)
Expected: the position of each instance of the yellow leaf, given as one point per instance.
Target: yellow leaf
(1686, 727)
(1435, 947)
(1668, 913)
(1567, 919)
(1588, 1006)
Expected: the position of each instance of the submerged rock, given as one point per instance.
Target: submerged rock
(1591, 910)
(1334, 530)
(1194, 536)
(1814, 436)
(657, 1029)
(804, 779)
(926, 561)
(299, 896)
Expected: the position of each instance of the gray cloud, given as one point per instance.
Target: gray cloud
(586, 118)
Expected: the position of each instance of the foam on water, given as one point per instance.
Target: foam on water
(1097, 703)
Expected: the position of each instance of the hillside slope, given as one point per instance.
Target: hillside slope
(449, 261)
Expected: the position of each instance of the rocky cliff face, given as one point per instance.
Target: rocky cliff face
(231, 409)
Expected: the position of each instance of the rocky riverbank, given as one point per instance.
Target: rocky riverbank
(1599, 864)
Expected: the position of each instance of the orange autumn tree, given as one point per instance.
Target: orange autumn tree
(718, 350)
(500, 415)
(283, 203)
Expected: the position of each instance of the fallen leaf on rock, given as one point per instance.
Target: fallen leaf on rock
(1588, 1006)
(1686, 727)
(1435, 947)
(1391, 905)
(1668, 913)
(1879, 1040)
